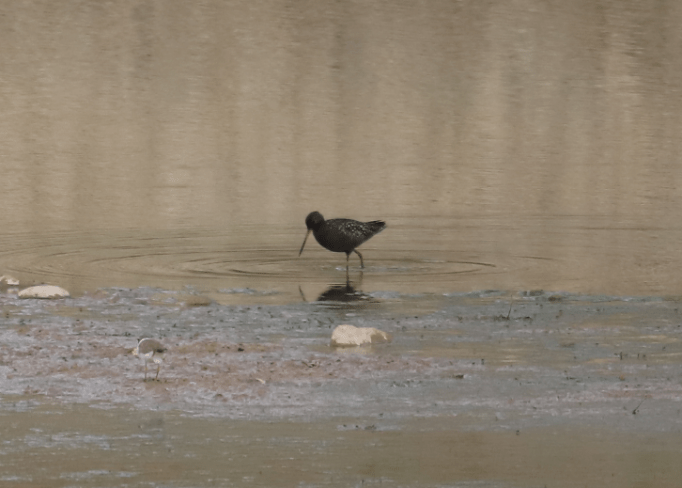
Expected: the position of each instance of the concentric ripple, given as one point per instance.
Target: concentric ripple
(213, 261)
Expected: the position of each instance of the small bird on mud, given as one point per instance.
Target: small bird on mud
(341, 235)
(150, 350)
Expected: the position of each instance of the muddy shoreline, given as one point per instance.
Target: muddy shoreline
(550, 364)
(553, 358)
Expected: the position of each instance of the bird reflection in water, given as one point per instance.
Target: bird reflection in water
(345, 292)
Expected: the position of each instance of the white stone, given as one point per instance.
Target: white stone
(8, 280)
(349, 335)
(44, 291)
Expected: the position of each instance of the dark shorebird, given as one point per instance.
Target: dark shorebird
(341, 235)
(150, 350)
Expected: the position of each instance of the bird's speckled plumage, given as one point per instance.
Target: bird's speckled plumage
(341, 235)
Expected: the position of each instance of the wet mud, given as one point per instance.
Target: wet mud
(465, 395)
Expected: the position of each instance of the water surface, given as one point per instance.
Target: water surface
(158, 159)
(507, 146)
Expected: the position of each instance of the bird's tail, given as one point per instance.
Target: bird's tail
(377, 225)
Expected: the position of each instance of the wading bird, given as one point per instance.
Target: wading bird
(150, 350)
(341, 235)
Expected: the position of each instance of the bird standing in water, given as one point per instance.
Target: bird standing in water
(150, 350)
(341, 235)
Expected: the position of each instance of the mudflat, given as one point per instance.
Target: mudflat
(485, 389)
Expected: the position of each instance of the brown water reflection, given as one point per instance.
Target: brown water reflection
(83, 446)
(541, 138)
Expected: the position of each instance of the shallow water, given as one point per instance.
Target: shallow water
(84, 446)
(159, 158)
(432, 255)
(521, 146)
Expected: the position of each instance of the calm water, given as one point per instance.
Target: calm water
(509, 146)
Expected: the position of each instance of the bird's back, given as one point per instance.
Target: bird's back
(147, 346)
(344, 235)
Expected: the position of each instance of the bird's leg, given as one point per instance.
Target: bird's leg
(347, 258)
(158, 368)
(145, 370)
(362, 264)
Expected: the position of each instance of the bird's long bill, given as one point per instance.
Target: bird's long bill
(306, 238)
